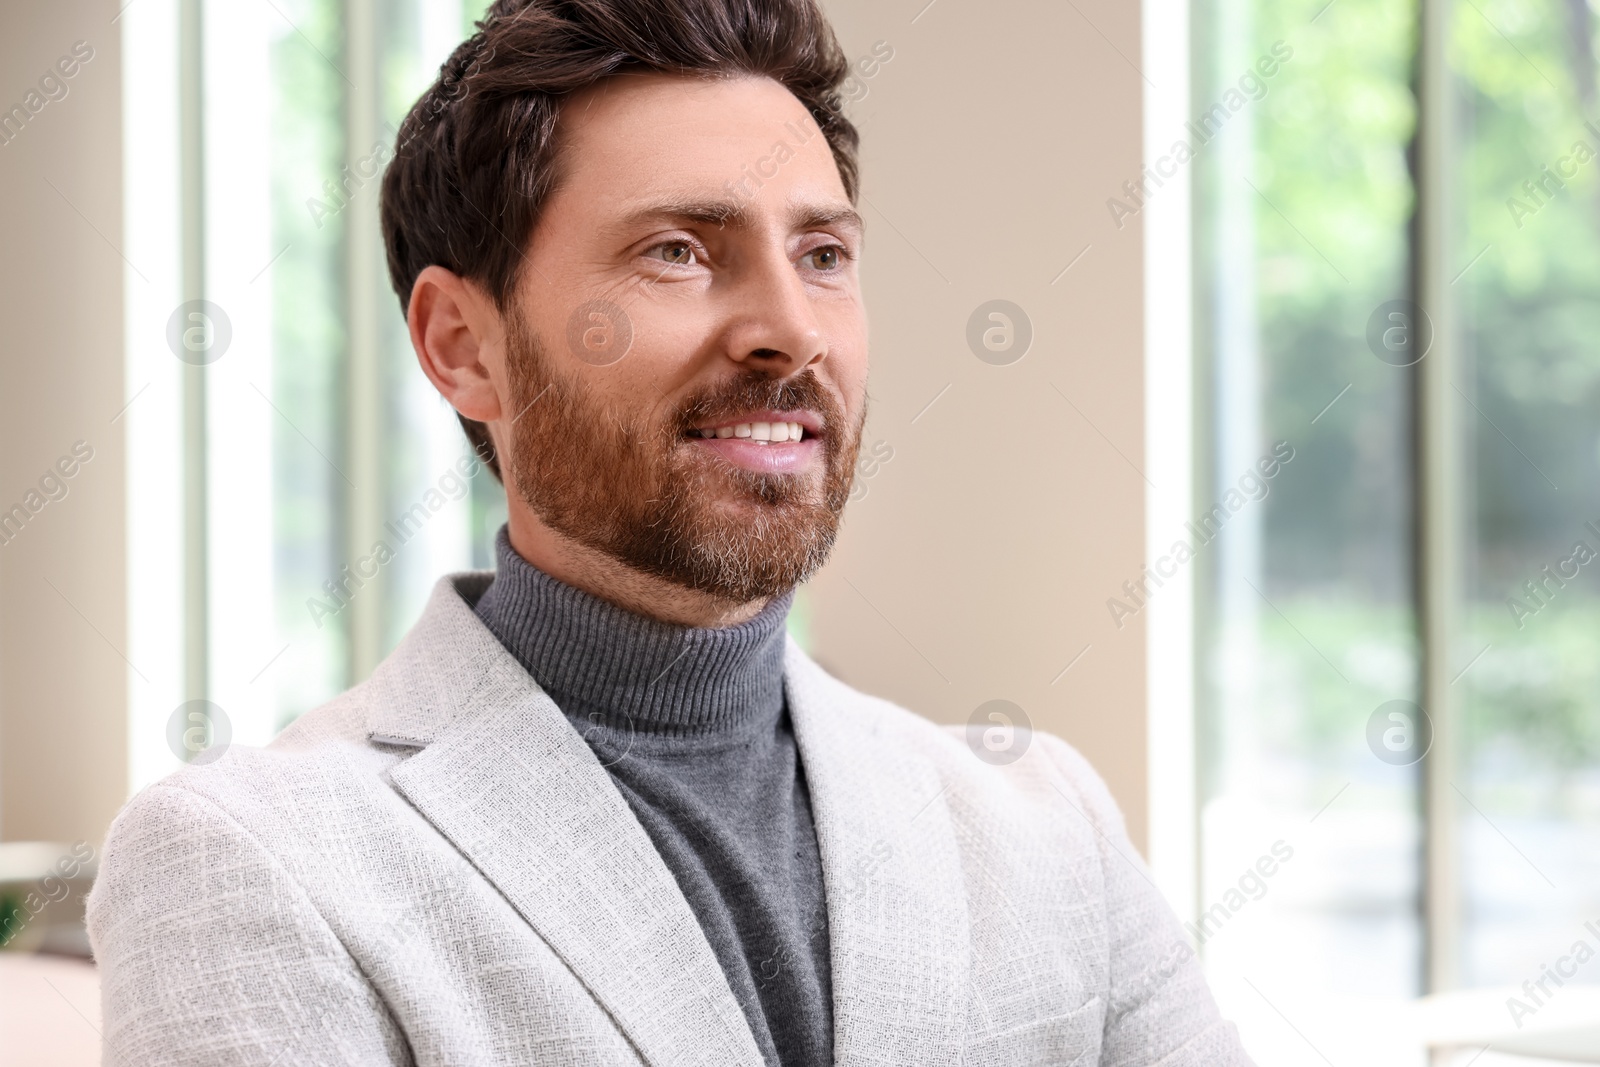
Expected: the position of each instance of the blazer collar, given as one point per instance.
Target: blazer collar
(504, 776)
(440, 669)
(897, 907)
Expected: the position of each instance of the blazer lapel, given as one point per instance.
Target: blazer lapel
(504, 776)
(897, 907)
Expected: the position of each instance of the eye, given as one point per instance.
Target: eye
(826, 258)
(676, 253)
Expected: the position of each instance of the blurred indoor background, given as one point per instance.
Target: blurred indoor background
(1372, 271)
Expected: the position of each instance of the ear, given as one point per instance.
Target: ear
(459, 341)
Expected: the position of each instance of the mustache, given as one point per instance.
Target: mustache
(760, 392)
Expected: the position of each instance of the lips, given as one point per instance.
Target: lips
(766, 442)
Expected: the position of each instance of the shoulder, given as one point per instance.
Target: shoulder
(247, 798)
(329, 740)
(326, 773)
(213, 880)
(255, 820)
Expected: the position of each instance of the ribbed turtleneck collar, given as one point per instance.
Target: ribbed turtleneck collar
(604, 663)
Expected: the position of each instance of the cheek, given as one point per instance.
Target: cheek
(626, 398)
(665, 356)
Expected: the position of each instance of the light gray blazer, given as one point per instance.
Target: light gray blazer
(435, 869)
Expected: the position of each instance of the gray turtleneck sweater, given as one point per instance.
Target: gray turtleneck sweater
(691, 724)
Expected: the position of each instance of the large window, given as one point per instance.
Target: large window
(1311, 259)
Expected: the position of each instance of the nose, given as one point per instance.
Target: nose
(774, 328)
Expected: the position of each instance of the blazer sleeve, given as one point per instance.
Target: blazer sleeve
(1159, 1012)
(210, 953)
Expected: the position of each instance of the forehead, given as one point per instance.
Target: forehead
(632, 139)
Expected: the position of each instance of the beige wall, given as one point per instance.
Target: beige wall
(979, 562)
(63, 708)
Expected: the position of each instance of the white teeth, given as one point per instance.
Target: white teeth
(759, 432)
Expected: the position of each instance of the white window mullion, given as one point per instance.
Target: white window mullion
(1440, 517)
(152, 423)
(1169, 458)
(242, 417)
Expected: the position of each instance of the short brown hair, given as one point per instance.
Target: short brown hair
(475, 158)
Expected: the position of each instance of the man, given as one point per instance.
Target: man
(595, 809)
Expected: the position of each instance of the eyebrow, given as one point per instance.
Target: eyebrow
(723, 213)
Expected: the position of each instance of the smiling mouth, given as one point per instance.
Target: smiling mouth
(760, 433)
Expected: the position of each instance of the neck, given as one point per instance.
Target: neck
(602, 576)
(614, 669)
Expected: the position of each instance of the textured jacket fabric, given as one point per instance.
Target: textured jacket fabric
(435, 869)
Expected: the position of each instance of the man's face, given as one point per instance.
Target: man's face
(687, 365)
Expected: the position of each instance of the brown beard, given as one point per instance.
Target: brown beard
(634, 487)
